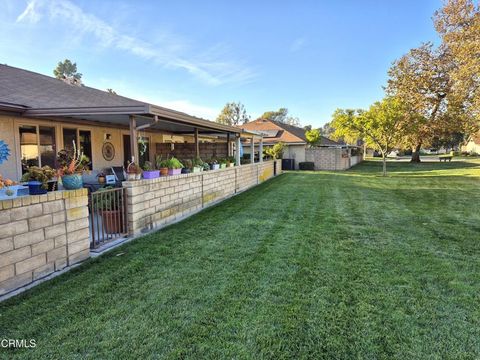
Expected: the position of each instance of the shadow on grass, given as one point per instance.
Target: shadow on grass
(375, 166)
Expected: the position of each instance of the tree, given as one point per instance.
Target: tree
(379, 127)
(421, 80)
(233, 114)
(281, 115)
(275, 151)
(111, 91)
(313, 137)
(448, 141)
(66, 69)
(458, 24)
(327, 130)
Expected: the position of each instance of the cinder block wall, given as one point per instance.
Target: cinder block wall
(187, 151)
(158, 202)
(331, 158)
(40, 235)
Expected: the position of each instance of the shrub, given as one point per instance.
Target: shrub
(307, 165)
(174, 163)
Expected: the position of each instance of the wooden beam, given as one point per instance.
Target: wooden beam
(197, 147)
(133, 141)
(228, 145)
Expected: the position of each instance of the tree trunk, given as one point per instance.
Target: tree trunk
(384, 160)
(416, 154)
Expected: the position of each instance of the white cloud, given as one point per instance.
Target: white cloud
(29, 13)
(207, 67)
(298, 44)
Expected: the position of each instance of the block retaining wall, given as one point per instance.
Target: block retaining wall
(42, 234)
(154, 203)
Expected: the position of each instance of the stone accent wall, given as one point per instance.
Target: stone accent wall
(158, 202)
(331, 158)
(187, 150)
(42, 234)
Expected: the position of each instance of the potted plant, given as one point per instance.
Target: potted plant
(197, 165)
(223, 163)
(230, 161)
(38, 178)
(109, 208)
(188, 164)
(72, 164)
(162, 165)
(214, 165)
(149, 171)
(174, 166)
(206, 166)
(8, 188)
(101, 177)
(132, 170)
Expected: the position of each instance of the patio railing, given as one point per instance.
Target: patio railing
(108, 216)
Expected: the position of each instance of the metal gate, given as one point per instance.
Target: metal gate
(108, 215)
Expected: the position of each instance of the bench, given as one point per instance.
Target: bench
(445, 158)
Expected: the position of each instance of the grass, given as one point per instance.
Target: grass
(307, 265)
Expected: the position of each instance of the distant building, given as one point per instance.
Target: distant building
(293, 137)
(473, 144)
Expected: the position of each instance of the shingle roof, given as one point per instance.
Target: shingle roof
(35, 90)
(285, 132)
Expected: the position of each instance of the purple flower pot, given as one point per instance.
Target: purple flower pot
(151, 174)
(174, 171)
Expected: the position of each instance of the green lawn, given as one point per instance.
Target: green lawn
(307, 265)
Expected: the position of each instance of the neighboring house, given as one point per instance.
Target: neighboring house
(39, 115)
(293, 137)
(473, 144)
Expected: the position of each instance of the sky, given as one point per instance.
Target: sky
(311, 57)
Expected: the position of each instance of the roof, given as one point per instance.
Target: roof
(476, 138)
(37, 95)
(35, 90)
(275, 131)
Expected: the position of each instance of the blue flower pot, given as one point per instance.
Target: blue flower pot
(35, 188)
(72, 182)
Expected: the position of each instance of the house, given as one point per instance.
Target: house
(473, 144)
(293, 137)
(41, 234)
(39, 115)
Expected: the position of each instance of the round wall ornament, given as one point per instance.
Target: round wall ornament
(108, 151)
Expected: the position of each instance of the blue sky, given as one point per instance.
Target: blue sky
(309, 56)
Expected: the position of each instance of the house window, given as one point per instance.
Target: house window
(37, 146)
(82, 140)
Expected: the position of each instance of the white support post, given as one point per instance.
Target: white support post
(260, 150)
(237, 150)
(134, 141)
(252, 156)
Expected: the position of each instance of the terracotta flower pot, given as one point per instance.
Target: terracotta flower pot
(164, 171)
(112, 221)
